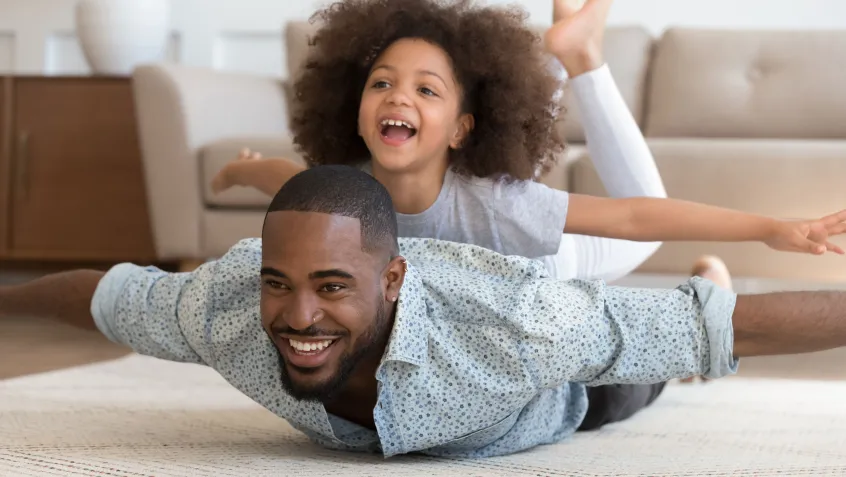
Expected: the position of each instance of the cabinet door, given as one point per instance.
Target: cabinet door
(78, 188)
(5, 164)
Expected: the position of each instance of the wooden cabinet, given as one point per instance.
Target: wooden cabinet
(72, 186)
(5, 166)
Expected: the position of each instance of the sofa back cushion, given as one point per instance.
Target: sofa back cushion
(627, 51)
(754, 84)
(297, 35)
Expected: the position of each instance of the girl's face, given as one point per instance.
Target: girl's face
(410, 112)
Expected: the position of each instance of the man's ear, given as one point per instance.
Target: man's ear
(466, 123)
(394, 277)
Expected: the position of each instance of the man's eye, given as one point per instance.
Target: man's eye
(332, 287)
(275, 285)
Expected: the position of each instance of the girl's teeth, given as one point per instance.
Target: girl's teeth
(394, 122)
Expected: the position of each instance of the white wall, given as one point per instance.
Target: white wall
(36, 36)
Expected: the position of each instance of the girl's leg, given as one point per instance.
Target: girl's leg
(626, 167)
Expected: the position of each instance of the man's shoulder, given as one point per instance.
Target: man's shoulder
(432, 256)
(245, 253)
(247, 244)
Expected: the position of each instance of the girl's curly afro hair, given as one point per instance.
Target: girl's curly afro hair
(504, 73)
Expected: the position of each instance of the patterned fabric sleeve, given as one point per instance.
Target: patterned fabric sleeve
(594, 334)
(171, 315)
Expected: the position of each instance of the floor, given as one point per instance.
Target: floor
(29, 346)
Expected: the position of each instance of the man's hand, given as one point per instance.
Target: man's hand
(808, 236)
(577, 33)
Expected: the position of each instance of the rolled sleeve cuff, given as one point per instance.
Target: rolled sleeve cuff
(106, 296)
(717, 310)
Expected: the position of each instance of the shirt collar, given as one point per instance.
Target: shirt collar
(408, 341)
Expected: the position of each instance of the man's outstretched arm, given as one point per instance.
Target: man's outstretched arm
(153, 312)
(789, 323)
(62, 297)
(166, 315)
(603, 335)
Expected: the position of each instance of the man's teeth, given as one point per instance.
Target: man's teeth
(394, 122)
(309, 346)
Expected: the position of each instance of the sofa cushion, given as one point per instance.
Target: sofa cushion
(558, 177)
(216, 155)
(297, 37)
(760, 84)
(223, 228)
(779, 178)
(627, 51)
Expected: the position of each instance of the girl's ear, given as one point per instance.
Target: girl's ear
(465, 126)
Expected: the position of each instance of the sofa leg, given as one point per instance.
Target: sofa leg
(190, 265)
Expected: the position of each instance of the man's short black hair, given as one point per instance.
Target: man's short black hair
(348, 192)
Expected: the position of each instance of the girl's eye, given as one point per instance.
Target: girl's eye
(380, 84)
(427, 92)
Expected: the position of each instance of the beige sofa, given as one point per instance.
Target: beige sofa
(750, 120)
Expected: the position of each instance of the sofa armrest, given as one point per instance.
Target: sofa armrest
(558, 177)
(181, 109)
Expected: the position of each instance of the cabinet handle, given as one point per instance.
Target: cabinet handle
(22, 165)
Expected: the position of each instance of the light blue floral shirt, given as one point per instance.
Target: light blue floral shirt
(488, 356)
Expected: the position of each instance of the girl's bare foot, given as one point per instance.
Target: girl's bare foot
(226, 177)
(714, 269)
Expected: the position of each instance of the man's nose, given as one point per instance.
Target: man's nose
(303, 311)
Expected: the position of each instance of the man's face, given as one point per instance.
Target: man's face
(323, 299)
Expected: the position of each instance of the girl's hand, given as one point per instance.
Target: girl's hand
(227, 177)
(808, 236)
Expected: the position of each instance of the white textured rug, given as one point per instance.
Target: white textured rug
(143, 417)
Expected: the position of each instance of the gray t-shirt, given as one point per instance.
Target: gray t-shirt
(523, 218)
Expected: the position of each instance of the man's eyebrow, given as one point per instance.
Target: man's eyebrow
(272, 271)
(334, 273)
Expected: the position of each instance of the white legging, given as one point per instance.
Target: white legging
(582, 256)
(626, 167)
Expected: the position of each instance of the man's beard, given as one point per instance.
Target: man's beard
(325, 391)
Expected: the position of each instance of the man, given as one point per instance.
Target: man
(447, 349)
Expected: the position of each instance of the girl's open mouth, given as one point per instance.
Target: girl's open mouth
(396, 132)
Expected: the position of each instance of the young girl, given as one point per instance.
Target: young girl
(450, 107)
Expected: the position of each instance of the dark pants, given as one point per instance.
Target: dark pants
(616, 402)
